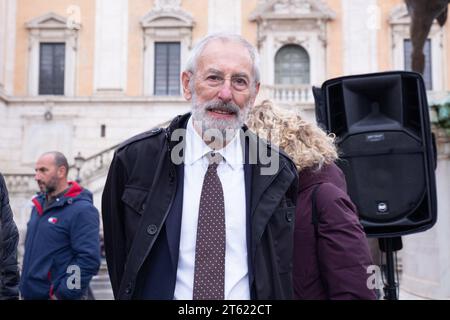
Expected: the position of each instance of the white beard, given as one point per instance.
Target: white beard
(225, 127)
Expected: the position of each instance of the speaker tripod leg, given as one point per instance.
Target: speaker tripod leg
(389, 245)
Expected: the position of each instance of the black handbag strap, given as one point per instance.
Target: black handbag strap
(315, 223)
(315, 213)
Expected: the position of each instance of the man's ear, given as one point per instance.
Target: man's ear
(257, 88)
(185, 78)
(61, 172)
(256, 93)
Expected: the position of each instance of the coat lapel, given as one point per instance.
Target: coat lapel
(264, 191)
(157, 209)
(173, 222)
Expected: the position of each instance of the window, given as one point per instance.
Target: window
(52, 60)
(434, 49)
(407, 49)
(292, 65)
(167, 68)
(103, 131)
(51, 68)
(167, 29)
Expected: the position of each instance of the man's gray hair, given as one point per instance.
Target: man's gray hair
(60, 160)
(192, 61)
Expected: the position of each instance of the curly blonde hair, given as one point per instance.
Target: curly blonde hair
(307, 144)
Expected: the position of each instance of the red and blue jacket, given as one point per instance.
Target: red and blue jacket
(62, 246)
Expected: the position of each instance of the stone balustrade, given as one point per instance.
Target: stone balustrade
(21, 183)
(288, 93)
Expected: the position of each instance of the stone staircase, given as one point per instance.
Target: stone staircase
(93, 171)
(100, 284)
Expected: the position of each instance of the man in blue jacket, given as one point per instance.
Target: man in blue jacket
(62, 250)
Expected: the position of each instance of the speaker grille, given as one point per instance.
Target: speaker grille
(385, 174)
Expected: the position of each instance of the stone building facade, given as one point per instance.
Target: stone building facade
(80, 76)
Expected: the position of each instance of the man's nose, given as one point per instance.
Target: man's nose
(225, 93)
(37, 176)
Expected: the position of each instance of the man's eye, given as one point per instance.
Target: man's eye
(240, 81)
(214, 78)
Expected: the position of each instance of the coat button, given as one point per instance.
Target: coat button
(69, 201)
(143, 207)
(128, 289)
(289, 216)
(151, 229)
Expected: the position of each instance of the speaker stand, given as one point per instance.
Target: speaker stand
(389, 245)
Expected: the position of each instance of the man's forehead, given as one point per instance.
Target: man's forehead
(223, 42)
(45, 160)
(220, 72)
(217, 49)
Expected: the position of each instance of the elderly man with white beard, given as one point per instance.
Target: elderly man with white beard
(190, 211)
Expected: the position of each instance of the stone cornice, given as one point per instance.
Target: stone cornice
(51, 20)
(318, 10)
(167, 18)
(43, 100)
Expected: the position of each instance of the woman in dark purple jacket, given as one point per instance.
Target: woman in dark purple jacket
(331, 256)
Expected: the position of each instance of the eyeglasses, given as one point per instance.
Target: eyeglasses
(240, 83)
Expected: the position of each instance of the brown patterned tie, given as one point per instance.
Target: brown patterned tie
(209, 272)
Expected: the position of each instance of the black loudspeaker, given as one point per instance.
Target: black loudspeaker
(383, 133)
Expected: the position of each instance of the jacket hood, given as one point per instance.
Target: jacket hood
(328, 173)
(75, 193)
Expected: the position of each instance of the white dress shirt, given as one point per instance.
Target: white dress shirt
(231, 174)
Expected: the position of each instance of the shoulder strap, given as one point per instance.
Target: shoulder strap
(315, 223)
(315, 212)
(139, 137)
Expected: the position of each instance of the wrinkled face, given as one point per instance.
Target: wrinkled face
(47, 174)
(223, 87)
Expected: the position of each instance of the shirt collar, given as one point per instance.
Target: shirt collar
(196, 148)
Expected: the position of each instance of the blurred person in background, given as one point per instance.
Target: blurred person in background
(62, 245)
(331, 253)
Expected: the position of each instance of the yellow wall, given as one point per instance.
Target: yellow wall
(199, 11)
(334, 41)
(249, 29)
(137, 9)
(384, 45)
(30, 9)
(85, 70)
(385, 40)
